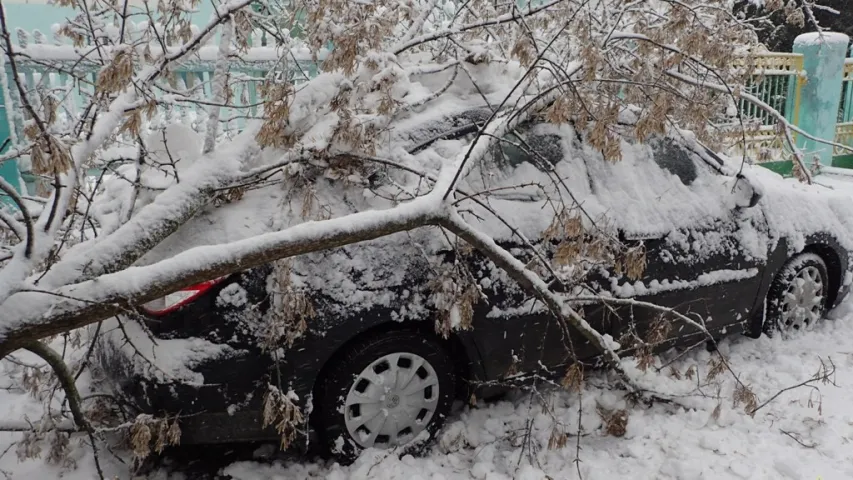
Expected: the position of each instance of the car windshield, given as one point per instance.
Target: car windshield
(543, 149)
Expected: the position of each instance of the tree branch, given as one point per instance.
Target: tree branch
(111, 294)
(531, 282)
(507, 18)
(66, 379)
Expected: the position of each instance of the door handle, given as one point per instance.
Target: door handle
(638, 236)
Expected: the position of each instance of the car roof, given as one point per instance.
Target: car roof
(465, 121)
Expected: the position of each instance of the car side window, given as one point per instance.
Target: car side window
(674, 158)
(524, 146)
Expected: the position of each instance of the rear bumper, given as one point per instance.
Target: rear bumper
(224, 428)
(208, 413)
(145, 392)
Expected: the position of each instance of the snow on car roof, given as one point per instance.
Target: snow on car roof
(635, 194)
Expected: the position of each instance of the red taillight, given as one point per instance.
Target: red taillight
(176, 300)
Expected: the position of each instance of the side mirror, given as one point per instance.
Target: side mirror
(747, 195)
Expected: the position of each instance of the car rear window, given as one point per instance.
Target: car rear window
(524, 146)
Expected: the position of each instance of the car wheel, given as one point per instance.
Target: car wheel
(796, 300)
(385, 392)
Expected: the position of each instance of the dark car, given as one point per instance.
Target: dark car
(370, 368)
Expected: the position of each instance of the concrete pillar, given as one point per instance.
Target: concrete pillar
(823, 61)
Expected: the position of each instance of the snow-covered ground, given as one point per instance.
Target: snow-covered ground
(805, 433)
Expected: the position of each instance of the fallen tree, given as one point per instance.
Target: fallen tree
(82, 254)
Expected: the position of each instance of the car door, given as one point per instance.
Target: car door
(514, 331)
(707, 268)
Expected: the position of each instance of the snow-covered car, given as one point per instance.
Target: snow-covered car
(740, 250)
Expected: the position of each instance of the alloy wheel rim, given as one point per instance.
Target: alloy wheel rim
(391, 401)
(802, 301)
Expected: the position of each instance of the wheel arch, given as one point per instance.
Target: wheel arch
(462, 351)
(824, 245)
(834, 266)
(309, 360)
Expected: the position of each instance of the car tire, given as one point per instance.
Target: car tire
(797, 297)
(385, 391)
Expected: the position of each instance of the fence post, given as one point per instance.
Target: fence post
(9, 168)
(847, 108)
(823, 60)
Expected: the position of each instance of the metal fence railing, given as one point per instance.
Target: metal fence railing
(50, 67)
(844, 127)
(776, 79)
